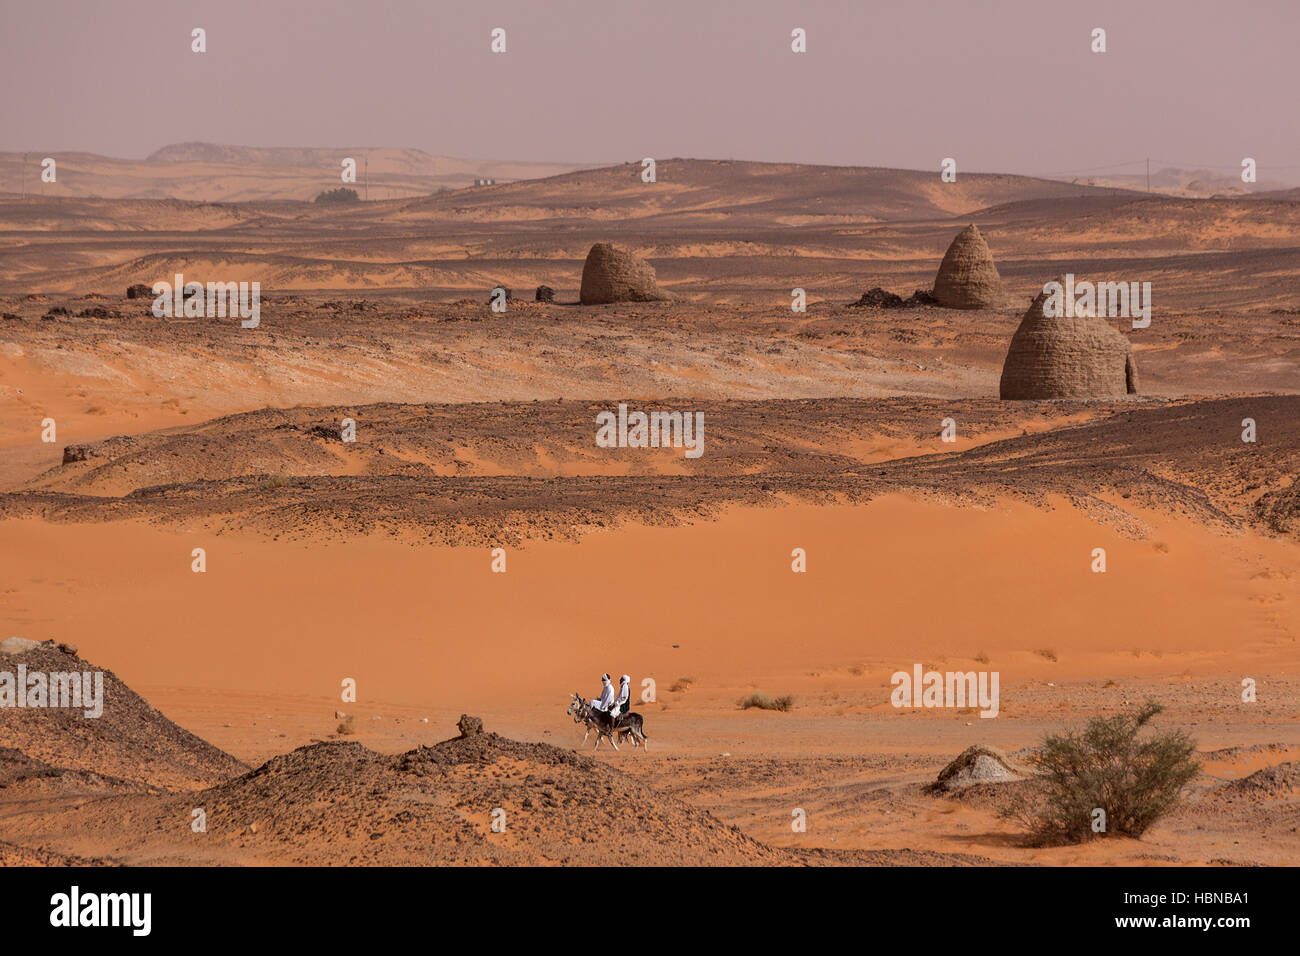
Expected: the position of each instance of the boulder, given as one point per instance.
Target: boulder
(17, 645)
(977, 764)
(470, 726)
(878, 298)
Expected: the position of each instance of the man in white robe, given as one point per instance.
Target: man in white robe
(624, 692)
(606, 699)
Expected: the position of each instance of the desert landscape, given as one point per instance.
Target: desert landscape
(472, 556)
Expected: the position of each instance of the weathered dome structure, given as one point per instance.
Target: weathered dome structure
(967, 277)
(1067, 357)
(611, 274)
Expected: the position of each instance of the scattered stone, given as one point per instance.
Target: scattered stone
(545, 294)
(470, 726)
(977, 764)
(878, 298)
(139, 291)
(17, 645)
(1272, 783)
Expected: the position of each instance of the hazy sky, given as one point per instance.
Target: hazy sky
(1001, 86)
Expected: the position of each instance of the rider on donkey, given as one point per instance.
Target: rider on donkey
(606, 699)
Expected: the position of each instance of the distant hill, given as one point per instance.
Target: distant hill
(1281, 195)
(409, 161)
(737, 193)
(212, 172)
(773, 194)
(1188, 183)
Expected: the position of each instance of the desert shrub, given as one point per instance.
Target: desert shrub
(1047, 652)
(681, 685)
(346, 726)
(342, 194)
(1135, 781)
(763, 702)
(275, 481)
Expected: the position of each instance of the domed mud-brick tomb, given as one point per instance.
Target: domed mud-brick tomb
(611, 274)
(1067, 357)
(967, 277)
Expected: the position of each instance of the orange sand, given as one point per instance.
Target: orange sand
(433, 631)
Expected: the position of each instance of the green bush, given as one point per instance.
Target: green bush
(342, 194)
(1135, 781)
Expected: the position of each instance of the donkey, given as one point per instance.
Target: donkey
(626, 725)
(582, 712)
